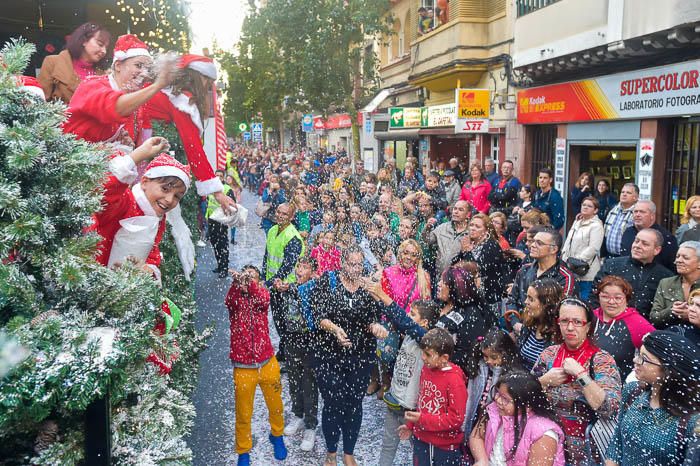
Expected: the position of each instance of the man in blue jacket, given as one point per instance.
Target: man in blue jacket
(549, 200)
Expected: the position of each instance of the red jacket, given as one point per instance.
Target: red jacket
(442, 403)
(250, 334)
(478, 195)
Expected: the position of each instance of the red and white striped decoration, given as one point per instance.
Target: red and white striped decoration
(221, 141)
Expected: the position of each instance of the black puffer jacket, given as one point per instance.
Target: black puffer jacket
(644, 279)
(528, 274)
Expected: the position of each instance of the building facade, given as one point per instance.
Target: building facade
(613, 90)
(439, 47)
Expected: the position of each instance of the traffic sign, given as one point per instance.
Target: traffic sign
(243, 127)
(246, 136)
(257, 127)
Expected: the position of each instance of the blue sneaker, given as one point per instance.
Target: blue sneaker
(278, 445)
(244, 459)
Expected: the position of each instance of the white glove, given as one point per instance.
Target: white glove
(183, 240)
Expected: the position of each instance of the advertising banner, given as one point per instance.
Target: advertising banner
(645, 167)
(473, 110)
(439, 115)
(404, 117)
(664, 91)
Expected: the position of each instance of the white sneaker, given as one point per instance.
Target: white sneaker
(201, 244)
(293, 427)
(308, 440)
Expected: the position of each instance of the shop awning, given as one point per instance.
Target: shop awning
(437, 131)
(399, 135)
(377, 100)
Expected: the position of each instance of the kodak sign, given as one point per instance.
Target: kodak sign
(473, 110)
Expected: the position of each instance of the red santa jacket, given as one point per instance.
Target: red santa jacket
(442, 403)
(250, 334)
(119, 202)
(185, 116)
(92, 113)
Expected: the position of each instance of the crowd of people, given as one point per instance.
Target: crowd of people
(452, 296)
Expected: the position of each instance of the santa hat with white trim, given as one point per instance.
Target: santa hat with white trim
(128, 46)
(199, 63)
(164, 165)
(31, 84)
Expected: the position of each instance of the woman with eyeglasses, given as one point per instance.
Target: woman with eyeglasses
(519, 426)
(581, 380)
(619, 328)
(659, 416)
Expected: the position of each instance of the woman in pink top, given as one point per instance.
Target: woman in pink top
(406, 281)
(326, 254)
(519, 427)
(476, 192)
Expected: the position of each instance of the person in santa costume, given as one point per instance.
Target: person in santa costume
(132, 221)
(112, 108)
(188, 103)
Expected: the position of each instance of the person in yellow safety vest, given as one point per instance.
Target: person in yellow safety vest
(283, 248)
(218, 232)
(231, 168)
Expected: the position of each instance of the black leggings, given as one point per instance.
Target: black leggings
(218, 235)
(343, 384)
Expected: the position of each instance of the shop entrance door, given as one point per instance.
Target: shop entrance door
(614, 164)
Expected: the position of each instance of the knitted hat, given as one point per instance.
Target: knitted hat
(164, 165)
(675, 352)
(128, 46)
(199, 63)
(30, 84)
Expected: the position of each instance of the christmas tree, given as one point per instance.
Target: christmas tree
(78, 330)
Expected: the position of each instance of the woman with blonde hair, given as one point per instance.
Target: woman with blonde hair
(500, 222)
(690, 218)
(407, 281)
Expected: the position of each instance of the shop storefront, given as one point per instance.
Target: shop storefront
(335, 132)
(639, 126)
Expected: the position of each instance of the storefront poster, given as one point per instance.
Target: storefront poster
(473, 110)
(666, 91)
(560, 168)
(645, 167)
(404, 117)
(338, 121)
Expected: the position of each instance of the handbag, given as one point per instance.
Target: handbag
(577, 266)
(388, 348)
(261, 208)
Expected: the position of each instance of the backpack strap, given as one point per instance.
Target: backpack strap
(333, 280)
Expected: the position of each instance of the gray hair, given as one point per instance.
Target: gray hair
(691, 245)
(657, 235)
(652, 206)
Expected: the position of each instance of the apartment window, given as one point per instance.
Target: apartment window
(432, 14)
(495, 147)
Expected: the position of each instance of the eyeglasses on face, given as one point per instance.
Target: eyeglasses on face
(617, 298)
(640, 360)
(575, 322)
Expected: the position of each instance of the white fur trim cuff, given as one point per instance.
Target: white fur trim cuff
(210, 186)
(121, 55)
(159, 172)
(124, 169)
(208, 69)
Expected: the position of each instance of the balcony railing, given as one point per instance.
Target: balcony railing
(528, 6)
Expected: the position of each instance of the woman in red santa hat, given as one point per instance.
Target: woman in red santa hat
(108, 108)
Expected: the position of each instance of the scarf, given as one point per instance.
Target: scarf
(572, 426)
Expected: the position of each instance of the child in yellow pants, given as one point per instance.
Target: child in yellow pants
(254, 361)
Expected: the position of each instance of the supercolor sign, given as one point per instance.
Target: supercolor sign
(653, 92)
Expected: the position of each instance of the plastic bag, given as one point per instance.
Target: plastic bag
(236, 219)
(135, 238)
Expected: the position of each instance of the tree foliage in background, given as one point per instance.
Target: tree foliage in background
(54, 295)
(306, 55)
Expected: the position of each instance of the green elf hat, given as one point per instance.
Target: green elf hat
(172, 315)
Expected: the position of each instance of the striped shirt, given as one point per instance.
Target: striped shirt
(531, 349)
